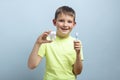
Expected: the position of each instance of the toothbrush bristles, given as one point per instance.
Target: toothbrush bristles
(76, 34)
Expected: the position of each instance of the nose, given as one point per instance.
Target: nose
(65, 24)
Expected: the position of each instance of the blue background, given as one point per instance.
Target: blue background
(98, 24)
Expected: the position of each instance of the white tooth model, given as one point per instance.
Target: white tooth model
(52, 35)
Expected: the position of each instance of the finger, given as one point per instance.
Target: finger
(47, 41)
(48, 32)
(77, 41)
(77, 44)
(77, 48)
(45, 34)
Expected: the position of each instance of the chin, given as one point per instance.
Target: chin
(65, 33)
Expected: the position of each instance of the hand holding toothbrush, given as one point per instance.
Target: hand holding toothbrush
(77, 44)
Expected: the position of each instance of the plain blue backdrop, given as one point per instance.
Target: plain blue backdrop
(98, 24)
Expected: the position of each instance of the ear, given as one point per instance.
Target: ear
(74, 24)
(54, 22)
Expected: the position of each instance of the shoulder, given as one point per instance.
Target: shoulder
(73, 38)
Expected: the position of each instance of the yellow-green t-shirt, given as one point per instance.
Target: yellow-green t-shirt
(60, 57)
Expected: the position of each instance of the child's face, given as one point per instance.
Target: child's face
(64, 24)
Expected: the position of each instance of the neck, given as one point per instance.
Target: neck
(62, 36)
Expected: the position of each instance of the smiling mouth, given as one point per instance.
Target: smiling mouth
(64, 29)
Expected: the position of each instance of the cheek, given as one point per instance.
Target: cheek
(59, 24)
(71, 27)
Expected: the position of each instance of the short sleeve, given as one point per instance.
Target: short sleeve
(41, 51)
(81, 54)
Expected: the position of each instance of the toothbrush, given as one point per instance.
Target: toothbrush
(76, 35)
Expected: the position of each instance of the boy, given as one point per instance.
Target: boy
(63, 55)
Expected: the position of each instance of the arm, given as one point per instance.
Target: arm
(77, 67)
(34, 58)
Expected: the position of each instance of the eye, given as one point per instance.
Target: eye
(61, 20)
(69, 21)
